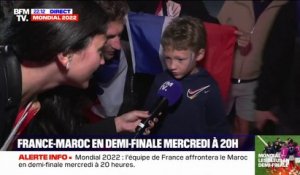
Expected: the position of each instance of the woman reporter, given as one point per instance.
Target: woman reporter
(39, 56)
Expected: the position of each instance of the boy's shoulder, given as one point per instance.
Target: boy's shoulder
(202, 79)
(204, 75)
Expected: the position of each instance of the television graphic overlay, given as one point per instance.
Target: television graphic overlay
(45, 15)
(277, 154)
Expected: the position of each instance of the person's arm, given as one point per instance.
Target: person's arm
(275, 70)
(224, 13)
(129, 121)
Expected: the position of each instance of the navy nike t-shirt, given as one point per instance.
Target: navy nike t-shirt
(199, 111)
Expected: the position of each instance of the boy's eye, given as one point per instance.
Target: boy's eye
(180, 59)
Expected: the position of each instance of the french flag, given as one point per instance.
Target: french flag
(145, 31)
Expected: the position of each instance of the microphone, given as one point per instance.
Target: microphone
(169, 93)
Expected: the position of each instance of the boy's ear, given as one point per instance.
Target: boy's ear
(200, 55)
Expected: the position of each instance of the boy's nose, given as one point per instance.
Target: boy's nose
(172, 65)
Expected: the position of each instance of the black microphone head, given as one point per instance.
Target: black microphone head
(171, 90)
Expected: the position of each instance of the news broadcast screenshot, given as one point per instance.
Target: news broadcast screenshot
(151, 87)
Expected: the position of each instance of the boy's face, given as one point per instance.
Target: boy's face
(182, 62)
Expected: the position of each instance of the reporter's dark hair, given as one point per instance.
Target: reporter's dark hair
(61, 112)
(42, 41)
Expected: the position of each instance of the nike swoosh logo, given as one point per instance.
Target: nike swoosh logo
(191, 94)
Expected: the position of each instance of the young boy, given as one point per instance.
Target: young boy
(200, 109)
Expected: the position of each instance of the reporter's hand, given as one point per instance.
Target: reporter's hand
(151, 125)
(261, 117)
(129, 121)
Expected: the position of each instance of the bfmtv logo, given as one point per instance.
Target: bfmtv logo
(21, 14)
(166, 85)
